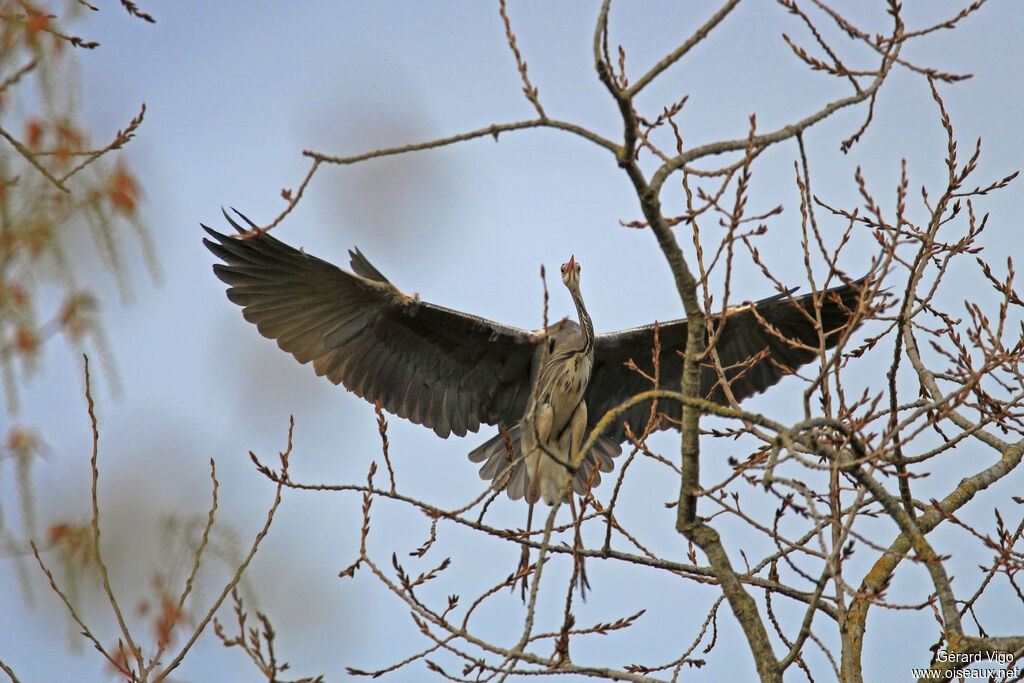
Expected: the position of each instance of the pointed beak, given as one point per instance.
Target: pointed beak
(572, 261)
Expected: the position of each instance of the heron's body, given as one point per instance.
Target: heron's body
(556, 418)
(451, 371)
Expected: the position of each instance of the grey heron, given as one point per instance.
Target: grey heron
(545, 390)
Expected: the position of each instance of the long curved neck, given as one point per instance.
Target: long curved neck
(585, 322)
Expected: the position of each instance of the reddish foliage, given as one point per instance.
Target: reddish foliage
(26, 341)
(123, 191)
(37, 22)
(22, 442)
(33, 133)
(74, 541)
(73, 315)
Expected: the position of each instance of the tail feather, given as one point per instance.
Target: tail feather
(506, 470)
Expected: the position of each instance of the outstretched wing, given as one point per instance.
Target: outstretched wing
(743, 337)
(440, 368)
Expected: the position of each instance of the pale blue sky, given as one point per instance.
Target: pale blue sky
(235, 93)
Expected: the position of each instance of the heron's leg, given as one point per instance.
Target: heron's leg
(579, 573)
(530, 454)
(577, 428)
(523, 572)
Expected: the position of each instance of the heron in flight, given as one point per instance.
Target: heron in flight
(544, 389)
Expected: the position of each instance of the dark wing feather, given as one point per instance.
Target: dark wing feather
(743, 337)
(440, 368)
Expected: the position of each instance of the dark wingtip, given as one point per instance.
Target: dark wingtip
(213, 246)
(213, 233)
(244, 218)
(361, 266)
(234, 224)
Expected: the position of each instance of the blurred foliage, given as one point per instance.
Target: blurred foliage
(56, 187)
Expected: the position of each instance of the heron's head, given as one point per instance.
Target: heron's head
(571, 273)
